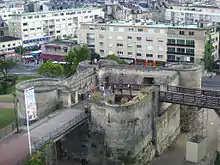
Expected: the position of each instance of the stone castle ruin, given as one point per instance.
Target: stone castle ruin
(134, 126)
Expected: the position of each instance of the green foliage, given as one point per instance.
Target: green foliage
(110, 101)
(127, 159)
(124, 100)
(208, 58)
(142, 90)
(95, 96)
(7, 116)
(74, 57)
(20, 50)
(37, 159)
(217, 159)
(50, 69)
(116, 58)
(95, 56)
(6, 65)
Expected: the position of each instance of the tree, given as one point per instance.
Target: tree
(20, 50)
(116, 58)
(6, 65)
(50, 69)
(208, 58)
(95, 56)
(74, 57)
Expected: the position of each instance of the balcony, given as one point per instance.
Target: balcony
(180, 53)
(183, 45)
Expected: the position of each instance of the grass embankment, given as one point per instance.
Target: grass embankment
(7, 116)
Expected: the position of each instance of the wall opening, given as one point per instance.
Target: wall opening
(148, 80)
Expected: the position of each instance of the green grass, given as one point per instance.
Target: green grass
(7, 98)
(7, 115)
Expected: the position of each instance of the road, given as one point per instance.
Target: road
(24, 70)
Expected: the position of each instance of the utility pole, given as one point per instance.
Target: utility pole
(15, 107)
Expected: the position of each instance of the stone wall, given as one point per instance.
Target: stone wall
(124, 125)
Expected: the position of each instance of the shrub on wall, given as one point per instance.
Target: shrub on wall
(124, 100)
(95, 96)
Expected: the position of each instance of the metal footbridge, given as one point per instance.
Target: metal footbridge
(192, 97)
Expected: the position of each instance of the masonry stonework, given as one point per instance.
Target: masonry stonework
(144, 128)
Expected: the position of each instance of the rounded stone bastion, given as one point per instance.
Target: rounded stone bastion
(127, 125)
(46, 96)
(190, 76)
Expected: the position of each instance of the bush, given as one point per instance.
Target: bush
(95, 96)
(110, 101)
(124, 100)
(217, 159)
(143, 90)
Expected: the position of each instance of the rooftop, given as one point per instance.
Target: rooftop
(8, 38)
(55, 11)
(62, 43)
(152, 25)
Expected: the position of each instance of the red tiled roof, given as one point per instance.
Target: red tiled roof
(51, 57)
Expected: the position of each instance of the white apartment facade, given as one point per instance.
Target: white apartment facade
(152, 44)
(139, 43)
(8, 44)
(7, 12)
(38, 27)
(193, 15)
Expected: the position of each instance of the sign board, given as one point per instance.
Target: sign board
(30, 104)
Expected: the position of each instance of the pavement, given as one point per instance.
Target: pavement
(6, 105)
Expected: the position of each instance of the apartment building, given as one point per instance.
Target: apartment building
(7, 12)
(56, 50)
(152, 44)
(8, 44)
(193, 14)
(39, 27)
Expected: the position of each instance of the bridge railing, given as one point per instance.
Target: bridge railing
(59, 131)
(189, 99)
(193, 91)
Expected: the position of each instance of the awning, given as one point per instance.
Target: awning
(51, 57)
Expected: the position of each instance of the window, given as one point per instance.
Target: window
(171, 41)
(119, 45)
(24, 17)
(79, 12)
(101, 36)
(131, 29)
(38, 28)
(191, 33)
(138, 54)
(180, 50)
(9, 45)
(14, 44)
(24, 24)
(129, 37)
(25, 30)
(138, 46)
(102, 51)
(181, 32)
(30, 17)
(150, 48)
(91, 16)
(149, 40)
(43, 16)
(160, 40)
(37, 16)
(101, 43)
(170, 50)
(140, 30)
(129, 53)
(149, 55)
(31, 28)
(138, 38)
(84, 11)
(3, 46)
(69, 24)
(119, 52)
(86, 17)
(129, 46)
(181, 42)
(190, 51)
(89, 11)
(190, 43)
(160, 56)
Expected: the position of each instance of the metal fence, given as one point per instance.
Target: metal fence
(7, 129)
